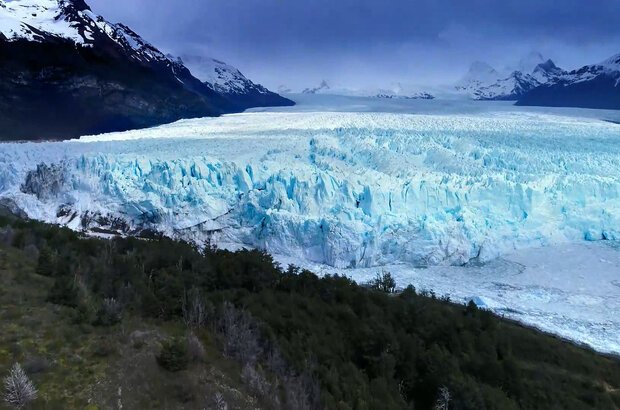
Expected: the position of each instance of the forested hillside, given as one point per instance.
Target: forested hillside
(153, 323)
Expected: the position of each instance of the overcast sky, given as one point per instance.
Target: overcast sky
(362, 43)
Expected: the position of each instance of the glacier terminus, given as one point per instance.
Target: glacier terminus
(417, 188)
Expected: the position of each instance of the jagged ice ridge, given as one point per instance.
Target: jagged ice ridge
(344, 189)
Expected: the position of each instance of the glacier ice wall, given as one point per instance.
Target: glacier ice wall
(345, 189)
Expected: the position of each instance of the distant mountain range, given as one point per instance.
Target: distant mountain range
(67, 72)
(538, 81)
(591, 86)
(483, 82)
(396, 91)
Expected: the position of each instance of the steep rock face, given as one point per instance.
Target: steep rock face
(592, 86)
(67, 72)
(59, 91)
(230, 82)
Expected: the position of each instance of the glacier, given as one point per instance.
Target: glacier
(415, 189)
(345, 189)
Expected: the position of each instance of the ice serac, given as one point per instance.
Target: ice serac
(344, 189)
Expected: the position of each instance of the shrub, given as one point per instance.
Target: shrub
(219, 403)
(195, 309)
(384, 282)
(255, 379)
(7, 235)
(110, 312)
(45, 264)
(443, 401)
(174, 356)
(19, 390)
(241, 339)
(64, 291)
(195, 349)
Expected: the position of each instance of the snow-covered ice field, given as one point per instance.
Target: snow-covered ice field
(528, 199)
(571, 290)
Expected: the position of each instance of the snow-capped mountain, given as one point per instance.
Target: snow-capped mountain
(393, 91)
(483, 82)
(229, 81)
(547, 72)
(67, 72)
(413, 96)
(480, 74)
(592, 86)
(51, 22)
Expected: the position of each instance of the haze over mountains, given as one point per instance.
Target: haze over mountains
(533, 80)
(483, 82)
(538, 81)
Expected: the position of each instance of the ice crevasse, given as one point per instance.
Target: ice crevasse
(344, 189)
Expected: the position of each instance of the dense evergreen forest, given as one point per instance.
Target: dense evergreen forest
(290, 339)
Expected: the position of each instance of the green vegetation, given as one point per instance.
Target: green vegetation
(174, 356)
(100, 318)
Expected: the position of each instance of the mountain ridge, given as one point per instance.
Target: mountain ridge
(591, 86)
(76, 74)
(483, 82)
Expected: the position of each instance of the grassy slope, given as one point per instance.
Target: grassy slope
(77, 365)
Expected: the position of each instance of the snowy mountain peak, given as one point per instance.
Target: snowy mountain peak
(547, 71)
(43, 20)
(483, 82)
(117, 78)
(612, 63)
(35, 19)
(220, 76)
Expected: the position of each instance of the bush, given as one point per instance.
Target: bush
(64, 292)
(241, 339)
(384, 282)
(196, 310)
(195, 349)
(18, 389)
(174, 356)
(45, 265)
(110, 312)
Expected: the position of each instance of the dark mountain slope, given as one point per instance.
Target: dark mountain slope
(56, 90)
(67, 72)
(592, 86)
